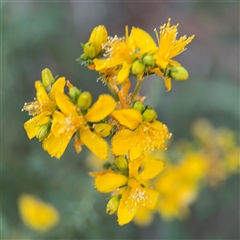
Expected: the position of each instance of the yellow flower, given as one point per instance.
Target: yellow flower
(232, 163)
(178, 186)
(36, 214)
(70, 120)
(169, 47)
(174, 195)
(123, 52)
(43, 107)
(139, 136)
(133, 188)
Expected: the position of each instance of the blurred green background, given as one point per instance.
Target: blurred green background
(36, 35)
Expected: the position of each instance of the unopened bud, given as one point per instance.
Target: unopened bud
(74, 93)
(47, 77)
(179, 73)
(149, 60)
(98, 37)
(43, 131)
(89, 50)
(138, 67)
(112, 205)
(103, 129)
(139, 106)
(149, 115)
(84, 100)
(121, 162)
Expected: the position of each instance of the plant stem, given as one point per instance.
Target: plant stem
(137, 89)
(112, 91)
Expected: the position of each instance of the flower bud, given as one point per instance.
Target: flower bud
(138, 67)
(149, 115)
(179, 73)
(89, 50)
(139, 106)
(43, 131)
(103, 129)
(74, 93)
(98, 37)
(47, 77)
(149, 60)
(121, 162)
(84, 100)
(112, 205)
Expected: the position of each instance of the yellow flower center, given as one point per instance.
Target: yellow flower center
(153, 138)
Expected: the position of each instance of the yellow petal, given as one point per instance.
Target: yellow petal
(157, 71)
(95, 143)
(56, 146)
(142, 40)
(174, 63)
(37, 214)
(123, 73)
(137, 147)
(152, 197)
(125, 212)
(110, 181)
(58, 123)
(134, 167)
(58, 86)
(32, 126)
(42, 95)
(135, 152)
(101, 64)
(95, 174)
(168, 83)
(101, 108)
(128, 117)
(65, 105)
(121, 143)
(77, 143)
(160, 62)
(106, 64)
(157, 125)
(152, 168)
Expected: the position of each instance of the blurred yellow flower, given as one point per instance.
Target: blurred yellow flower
(178, 186)
(70, 120)
(232, 162)
(220, 148)
(36, 214)
(140, 136)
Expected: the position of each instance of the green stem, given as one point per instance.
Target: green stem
(136, 90)
(112, 91)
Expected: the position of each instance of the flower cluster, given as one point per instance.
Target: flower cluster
(208, 159)
(62, 111)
